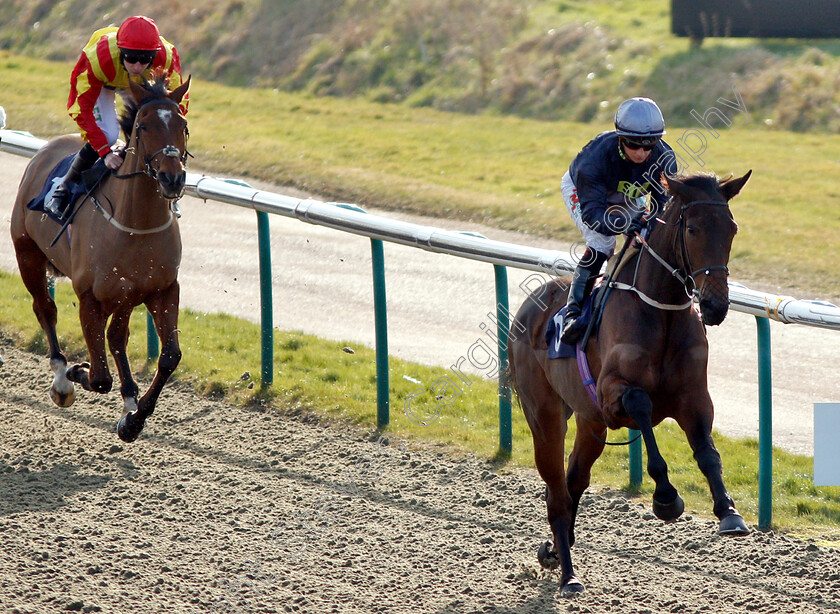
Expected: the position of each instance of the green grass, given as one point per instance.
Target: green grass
(504, 171)
(314, 375)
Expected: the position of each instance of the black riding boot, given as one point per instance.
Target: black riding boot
(85, 158)
(582, 283)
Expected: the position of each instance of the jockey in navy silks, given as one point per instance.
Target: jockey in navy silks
(606, 188)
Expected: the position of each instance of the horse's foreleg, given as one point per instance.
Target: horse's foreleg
(164, 309)
(33, 271)
(667, 503)
(699, 435)
(589, 444)
(118, 334)
(95, 375)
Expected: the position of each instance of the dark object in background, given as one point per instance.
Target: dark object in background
(699, 19)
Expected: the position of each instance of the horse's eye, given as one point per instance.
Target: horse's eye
(691, 230)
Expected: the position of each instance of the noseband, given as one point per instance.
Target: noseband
(684, 274)
(167, 151)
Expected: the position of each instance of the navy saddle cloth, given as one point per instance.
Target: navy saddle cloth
(556, 348)
(89, 178)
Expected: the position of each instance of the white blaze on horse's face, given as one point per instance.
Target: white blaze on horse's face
(165, 115)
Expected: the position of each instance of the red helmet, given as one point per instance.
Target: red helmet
(138, 33)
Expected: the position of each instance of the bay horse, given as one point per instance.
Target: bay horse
(122, 249)
(648, 359)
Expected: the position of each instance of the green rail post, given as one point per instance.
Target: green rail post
(503, 330)
(635, 458)
(267, 309)
(765, 426)
(383, 401)
(152, 341)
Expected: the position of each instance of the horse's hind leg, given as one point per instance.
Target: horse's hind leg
(546, 416)
(94, 376)
(589, 444)
(33, 271)
(164, 309)
(667, 503)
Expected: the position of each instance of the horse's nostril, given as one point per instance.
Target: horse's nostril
(172, 181)
(713, 311)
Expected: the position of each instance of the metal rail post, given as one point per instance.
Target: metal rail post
(765, 426)
(503, 330)
(266, 302)
(383, 401)
(152, 341)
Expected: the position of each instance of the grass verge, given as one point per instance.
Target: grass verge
(503, 171)
(321, 377)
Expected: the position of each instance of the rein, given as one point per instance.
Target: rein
(134, 231)
(168, 151)
(684, 275)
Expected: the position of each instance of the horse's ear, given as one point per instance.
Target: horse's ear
(733, 186)
(678, 188)
(137, 90)
(179, 92)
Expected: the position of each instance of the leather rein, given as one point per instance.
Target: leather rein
(684, 274)
(168, 151)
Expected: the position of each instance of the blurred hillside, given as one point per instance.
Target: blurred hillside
(540, 59)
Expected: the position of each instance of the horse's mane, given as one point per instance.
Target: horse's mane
(705, 181)
(156, 89)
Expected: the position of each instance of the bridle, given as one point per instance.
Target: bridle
(686, 258)
(684, 273)
(167, 151)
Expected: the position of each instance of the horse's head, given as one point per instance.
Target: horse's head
(160, 130)
(705, 228)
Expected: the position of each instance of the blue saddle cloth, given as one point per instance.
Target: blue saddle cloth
(76, 189)
(554, 328)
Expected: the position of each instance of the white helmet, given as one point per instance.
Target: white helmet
(639, 118)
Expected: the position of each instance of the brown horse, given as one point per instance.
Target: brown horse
(649, 359)
(122, 249)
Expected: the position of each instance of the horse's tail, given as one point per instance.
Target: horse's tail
(507, 383)
(506, 379)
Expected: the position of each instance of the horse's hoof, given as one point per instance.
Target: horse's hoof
(669, 511)
(733, 525)
(548, 556)
(571, 588)
(65, 399)
(77, 372)
(129, 427)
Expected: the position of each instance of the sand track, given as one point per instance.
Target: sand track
(223, 509)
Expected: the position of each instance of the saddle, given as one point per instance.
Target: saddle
(554, 327)
(90, 178)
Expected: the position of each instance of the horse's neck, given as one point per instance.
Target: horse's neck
(650, 276)
(137, 200)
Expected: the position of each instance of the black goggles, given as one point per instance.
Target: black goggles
(143, 57)
(646, 144)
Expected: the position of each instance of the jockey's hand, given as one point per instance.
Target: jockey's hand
(634, 227)
(113, 160)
